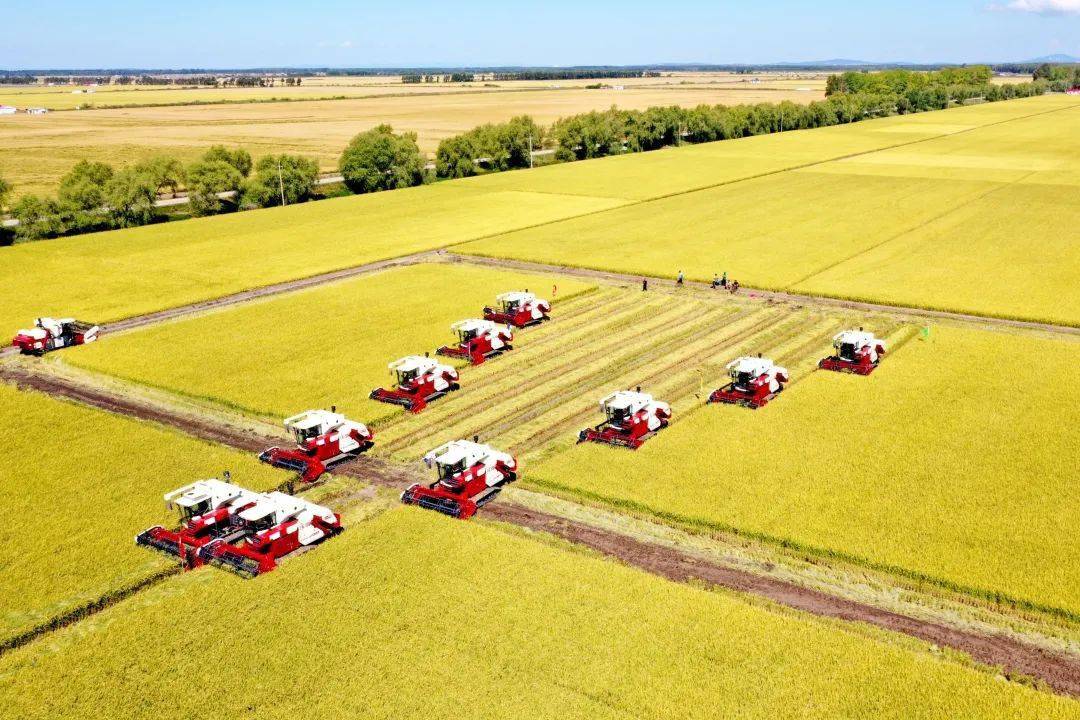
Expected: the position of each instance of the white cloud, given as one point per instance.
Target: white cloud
(348, 43)
(1042, 7)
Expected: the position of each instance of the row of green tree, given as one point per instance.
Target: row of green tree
(95, 196)
(1068, 76)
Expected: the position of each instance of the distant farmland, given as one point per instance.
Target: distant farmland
(36, 150)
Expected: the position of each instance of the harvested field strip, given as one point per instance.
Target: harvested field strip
(1059, 672)
(561, 331)
(522, 405)
(682, 365)
(529, 377)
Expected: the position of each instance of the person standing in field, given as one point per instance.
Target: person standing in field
(723, 280)
(679, 280)
(644, 284)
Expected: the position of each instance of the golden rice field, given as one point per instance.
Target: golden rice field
(979, 217)
(955, 462)
(325, 346)
(410, 615)
(78, 485)
(112, 275)
(36, 150)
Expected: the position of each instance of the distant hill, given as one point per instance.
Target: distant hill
(1057, 58)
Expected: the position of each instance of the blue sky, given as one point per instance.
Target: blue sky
(127, 33)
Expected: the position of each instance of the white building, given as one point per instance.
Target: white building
(37, 111)
(7, 109)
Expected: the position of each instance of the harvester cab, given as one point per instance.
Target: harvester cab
(519, 309)
(49, 334)
(276, 525)
(470, 475)
(856, 351)
(419, 381)
(323, 437)
(630, 418)
(478, 340)
(208, 510)
(754, 382)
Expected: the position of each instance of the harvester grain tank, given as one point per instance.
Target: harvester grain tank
(419, 381)
(630, 418)
(754, 382)
(50, 334)
(519, 309)
(478, 340)
(856, 351)
(470, 475)
(323, 437)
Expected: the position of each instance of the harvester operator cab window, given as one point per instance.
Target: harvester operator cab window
(448, 470)
(190, 511)
(847, 351)
(404, 377)
(743, 379)
(264, 523)
(618, 415)
(305, 434)
(510, 305)
(466, 334)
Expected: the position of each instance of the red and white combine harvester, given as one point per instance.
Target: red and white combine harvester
(208, 511)
(519, 309)
(245, 531)
(49, 334)
(323, 437)
(470, 476)
(276, 525)
(478, 340)
(857, 352)
(630, 418)
(754, 382)
(419, 381)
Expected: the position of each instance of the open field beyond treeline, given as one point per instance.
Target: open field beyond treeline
(36, 150)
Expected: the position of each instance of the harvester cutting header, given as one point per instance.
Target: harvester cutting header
(49, 334)
(630, 418)
(470, 476)
(478, 340)
(419, 381)
(322, 437)
(519, 309)
(857, 352)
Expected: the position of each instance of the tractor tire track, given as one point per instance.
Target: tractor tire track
(1017, 659)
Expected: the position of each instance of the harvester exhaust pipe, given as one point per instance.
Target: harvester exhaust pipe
(476, 438)
(333, 408)
(639, 388)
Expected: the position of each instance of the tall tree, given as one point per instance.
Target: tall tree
(206, 180)
(166, 172)
(83, 186)
(379, 159)
(238, 158)
(130, 196)
(276, 176)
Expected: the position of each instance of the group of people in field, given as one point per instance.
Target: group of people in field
(719, 281)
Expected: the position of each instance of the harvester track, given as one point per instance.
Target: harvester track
(1017, 658)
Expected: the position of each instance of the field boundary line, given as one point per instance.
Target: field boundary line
(1018, 659)
(773, 296)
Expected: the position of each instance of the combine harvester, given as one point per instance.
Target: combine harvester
(276, 525)
(857, 352)
(477, 341)
(630, 418)
(323, 437)
(754, 382)
(419, 381)
(244, 531)
(208, 511)
(470, 476)
(520, 309)
(49, 334)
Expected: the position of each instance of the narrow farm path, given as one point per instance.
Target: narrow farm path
(1016, 658)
